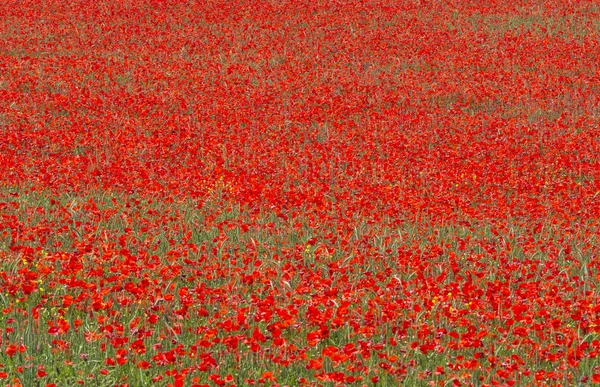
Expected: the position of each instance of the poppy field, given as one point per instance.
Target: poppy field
(299, 193)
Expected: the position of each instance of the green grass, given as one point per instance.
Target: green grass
(405, 283)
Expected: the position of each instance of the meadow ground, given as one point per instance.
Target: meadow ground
(216, 193)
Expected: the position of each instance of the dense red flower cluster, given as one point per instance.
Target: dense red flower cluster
(295, 192)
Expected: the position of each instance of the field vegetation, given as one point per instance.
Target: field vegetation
(299, 193)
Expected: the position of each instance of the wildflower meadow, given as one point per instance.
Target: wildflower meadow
(299, 193)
